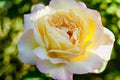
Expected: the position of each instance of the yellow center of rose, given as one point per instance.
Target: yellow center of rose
(74, 27)
(69, 22)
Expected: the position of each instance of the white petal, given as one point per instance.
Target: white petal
(104, 51)
(92, 26)
(27, 22)
(62, 53)
(37, 12)
(40, 13)
(25, 47)
(108, 37)
(37, 8)
(38, 37)
(88, 65)
(101, 68)
(38, 21)
(43, 55)
(28, 17)
(82, 4)
(62, 4)
(57, 71)
(57, 38)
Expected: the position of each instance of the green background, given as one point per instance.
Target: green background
(11, 28)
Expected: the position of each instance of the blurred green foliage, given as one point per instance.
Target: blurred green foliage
(11, 28)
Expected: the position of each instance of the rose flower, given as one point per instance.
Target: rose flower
(65, 38)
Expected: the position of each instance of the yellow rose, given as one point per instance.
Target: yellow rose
(65, 38)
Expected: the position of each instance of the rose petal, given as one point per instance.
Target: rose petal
(40, 13)
(62, 4)
(27, 22)
(27, 18)
(104, 51)
(39, 31)
(57, 40)
(64, 53)
(39, 28)
(38, 38)
(63, 40)
(43, 55)
(46, 36)
(37, 12)
(25, 47)
(82, 4)
(101, 68)
(37, 8)
(57, 71)
(88, 65)
(88, 10)
(108, 37)
(92, 26)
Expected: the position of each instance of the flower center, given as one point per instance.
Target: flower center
(73, 26)
(68, 22)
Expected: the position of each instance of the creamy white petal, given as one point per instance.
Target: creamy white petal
(43, 12)
(38, 37)
(58, 39)
(82, 4)
(62, 53)
(108, 37)
(101, 68)
(57, 71)
(92, 26)
(104, 51)
(62, 4)
(36, 8)
(25, 47)
(42, 54)
(88, 65)
(28, 17)
(39, 24)
(27, 22)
